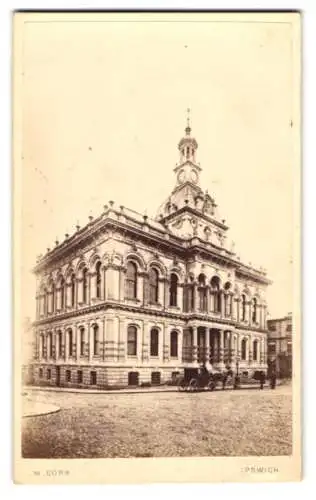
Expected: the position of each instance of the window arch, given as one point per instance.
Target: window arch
(73, 289)
(154, 342)
(131, 280)
(243, 307)
(98, 279)
(132, 341)
(174, 344)
(255, 350)
(70, 339)
(202, 293)
(153, 285)
(215, 284)
(244, 349)
(95, 340)
(173, 290)
(254, 310)
(84, 285)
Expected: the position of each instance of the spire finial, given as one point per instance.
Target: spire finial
(188, 128)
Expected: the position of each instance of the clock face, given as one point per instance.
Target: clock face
(193, 176)
(181, 176)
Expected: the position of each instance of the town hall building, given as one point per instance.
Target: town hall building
(128, 299)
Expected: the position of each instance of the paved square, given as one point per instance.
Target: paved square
(230, 423)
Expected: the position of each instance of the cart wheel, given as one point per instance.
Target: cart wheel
(193, 385)
(181, 385)
(211, 385)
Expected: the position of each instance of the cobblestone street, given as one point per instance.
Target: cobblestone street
(230, 423)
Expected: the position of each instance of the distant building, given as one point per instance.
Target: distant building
(128, 299)
(27, 350)
(280, 345)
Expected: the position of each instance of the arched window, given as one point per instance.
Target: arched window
(62, 293)
(82, 341)
(244, 349)
(53, 297)
(173, 290)
(254, 310)
(98, 279)
(70, 341)
(255, 350)
(60, 343)
(131, 281)
(95, 340)
(215, 284)
(243, 307)
(132, 341)
(84, 285)
(73, 289)
(42, 345)
(50, 344)
(202, 293)
(174, 344)
(153, 286)
(154, 342)
(45, 302)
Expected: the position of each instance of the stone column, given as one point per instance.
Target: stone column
(166, 288)
(180, 345)
(221, 298)
(164, 344)
(180, 296)
(161, 291)
(207, 299)
(211, 301)
(66, 345)
(196, 297)
(122, 285)
(145, 342)
(249, 349)
(195, 344)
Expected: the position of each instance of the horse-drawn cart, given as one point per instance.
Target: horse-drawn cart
(197, 379)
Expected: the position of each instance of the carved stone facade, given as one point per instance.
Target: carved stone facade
(128, 299)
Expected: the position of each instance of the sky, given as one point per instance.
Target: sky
(104, 106)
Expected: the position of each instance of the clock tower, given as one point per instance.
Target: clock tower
(187, 170)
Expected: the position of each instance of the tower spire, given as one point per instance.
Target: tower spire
(188, 128)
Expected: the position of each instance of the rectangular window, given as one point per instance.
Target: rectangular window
(93, 378)
(40, 373)
(49, 374)
(289, 328)
(68, 375)
(271, 348)
(79, 376)
(289, 348)
(132, 341)
(272, 327)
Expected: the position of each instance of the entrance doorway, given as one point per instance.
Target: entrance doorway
(57, 375)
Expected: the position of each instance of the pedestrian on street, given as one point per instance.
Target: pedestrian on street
(273, 380)
(262, 379)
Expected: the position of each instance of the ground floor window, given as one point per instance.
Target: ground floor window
(175, 375)
(155, 378)
(49, 374)
(40, 373)
(133, 378)
(68, 375)
(79, 376)
(93, 378)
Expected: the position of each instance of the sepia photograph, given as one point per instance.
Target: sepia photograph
(157, 246)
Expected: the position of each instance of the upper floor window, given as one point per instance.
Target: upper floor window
(289, 327)
(153, 286)
(173, 290)
(202, 293)
(62, 293)
(73, 289)
(131, 281)
(53, 297)
(82, 341)
(50, 344)
(174, 344)
(132, 341)
(95, 340)
(42, 344)
(60, 343)
(154, 342)
(289, 347)
(84, 285)
(243, 307)
(215, 284)
(98, 279)
(254, 310)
